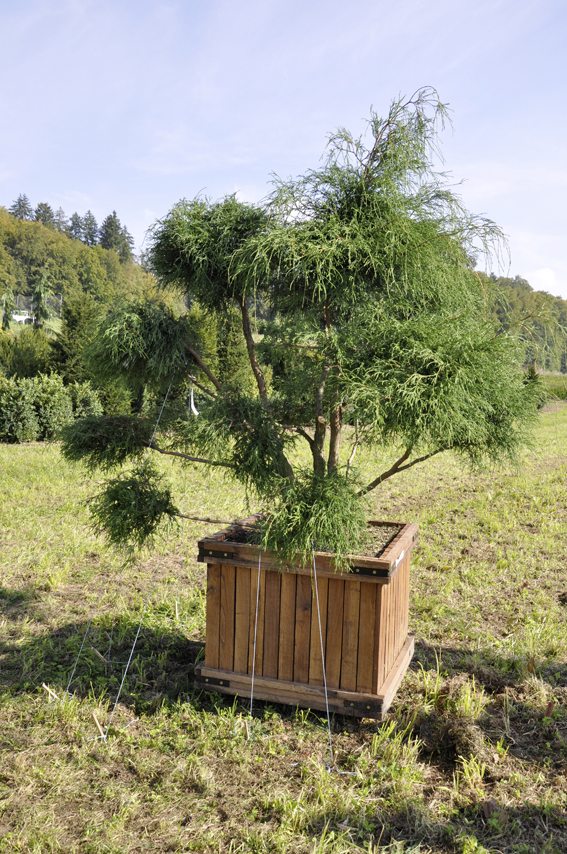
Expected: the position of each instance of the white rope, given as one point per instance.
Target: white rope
(137, 634)
(322, 656)
(87, 630)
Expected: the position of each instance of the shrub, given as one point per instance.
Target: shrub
(35, 408)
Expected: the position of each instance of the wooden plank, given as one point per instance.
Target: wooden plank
(242, 619)
(287, 626)
(226, 622)
(366, 633)
(260, 627)
(213, 616)
(351, 615)
(271, 624)
(380, 638)
(334, 645)
(315, 660)
(396, 674)
(302, 628)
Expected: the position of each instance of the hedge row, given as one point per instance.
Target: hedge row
(37, 407)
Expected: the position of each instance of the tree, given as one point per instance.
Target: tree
(44, 214)
(40, 293)
(90, 229)
(75, 227)
(375, 327)
(21, 208)
(60, 221)
(9, 308)
(115, 236)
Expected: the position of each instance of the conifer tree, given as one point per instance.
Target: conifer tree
(372, 316)
(40, 294)
(9, 308)
(21, 208)
(44, 214)
(75, 227)
(90, 229)
(60, 221)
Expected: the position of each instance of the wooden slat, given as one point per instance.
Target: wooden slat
(226, 623)
(302, 629)
(380, 638)
(350, 635)
(271, 624)
(315, 661)
(213, 616)
(334, 645)
(287, 627)
(242, 619)
(260, 628)
(366, 632)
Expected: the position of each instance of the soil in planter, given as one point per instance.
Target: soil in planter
(377, 539)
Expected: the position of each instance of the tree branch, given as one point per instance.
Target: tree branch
(203, 367)
(397, 468)
(202, 387)
(257, 371)
(155, 447)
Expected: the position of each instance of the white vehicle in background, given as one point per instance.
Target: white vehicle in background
(21, 316)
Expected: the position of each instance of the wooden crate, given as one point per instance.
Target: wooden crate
(364, 625)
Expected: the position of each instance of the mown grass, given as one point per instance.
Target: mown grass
(472, 758)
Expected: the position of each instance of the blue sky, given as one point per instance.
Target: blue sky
(130, 106)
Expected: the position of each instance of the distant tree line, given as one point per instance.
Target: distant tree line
(539, 317)
(110, 235)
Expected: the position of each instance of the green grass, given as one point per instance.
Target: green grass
(472, 758)
(555, 385)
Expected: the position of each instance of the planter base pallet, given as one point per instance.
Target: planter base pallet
(363, 616)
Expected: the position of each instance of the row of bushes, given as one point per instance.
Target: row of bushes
(35, 408)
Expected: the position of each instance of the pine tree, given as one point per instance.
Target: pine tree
(125, 250)
(75, 227)
(9, 308)
(21, 208)
(90, 229)
(44, 214)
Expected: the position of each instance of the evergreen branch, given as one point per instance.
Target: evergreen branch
(155, 447)
(397, 468)
(198, 519)
(202, 387)
(203, 367)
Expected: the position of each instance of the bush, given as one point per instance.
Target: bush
(31, 353)
(35, 408)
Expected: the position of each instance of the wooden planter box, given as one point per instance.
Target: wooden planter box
(364, 621)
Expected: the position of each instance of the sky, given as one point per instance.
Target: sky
(131, 105)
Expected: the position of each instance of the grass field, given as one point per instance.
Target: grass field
(472, 757)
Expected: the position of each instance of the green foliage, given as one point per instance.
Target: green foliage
(324, 512)
(104, 441)
(193, 246)
(6, 349)
(360, 274)
(143, 342)
(40, 293)
(33, 408)
(131, 508)
(9, 307)
(31, 353)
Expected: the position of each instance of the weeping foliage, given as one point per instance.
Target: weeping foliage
(191, 249)
(352, 295)
(142, 342)
(105, 441)
(131, 507)
(321, 512)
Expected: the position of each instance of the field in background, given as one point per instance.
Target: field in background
(472, 758)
